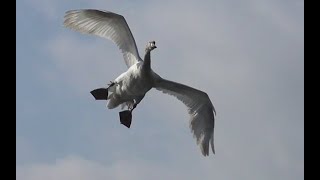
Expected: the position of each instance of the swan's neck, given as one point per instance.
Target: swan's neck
(147, 61)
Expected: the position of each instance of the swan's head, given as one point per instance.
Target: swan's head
(151, 46)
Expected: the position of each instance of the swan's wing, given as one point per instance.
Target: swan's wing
(200, 109)
(107, 25)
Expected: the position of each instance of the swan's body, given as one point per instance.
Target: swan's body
(130, 87)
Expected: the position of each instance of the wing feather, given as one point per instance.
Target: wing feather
(108, 25)
(200, 109)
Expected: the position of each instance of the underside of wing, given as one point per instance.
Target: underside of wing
(200, 109)
(107, 25)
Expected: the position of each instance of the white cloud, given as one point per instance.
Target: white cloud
(63, 169)
(73, 167)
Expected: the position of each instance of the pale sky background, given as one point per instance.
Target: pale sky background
(248, 55)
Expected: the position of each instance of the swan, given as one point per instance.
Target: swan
(128, 89)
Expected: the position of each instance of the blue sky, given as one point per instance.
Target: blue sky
(247, 55)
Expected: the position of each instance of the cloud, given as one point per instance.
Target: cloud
(74, 167)
(68, 168)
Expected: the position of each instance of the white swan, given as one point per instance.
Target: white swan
(131, 86)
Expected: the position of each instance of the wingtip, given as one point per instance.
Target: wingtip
(212, 145)
(204, 146)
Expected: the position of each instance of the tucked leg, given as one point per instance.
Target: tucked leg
(126, 116)
(133, 107)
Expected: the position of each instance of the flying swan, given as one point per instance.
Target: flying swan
(131, 86)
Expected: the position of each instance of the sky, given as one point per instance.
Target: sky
(248, 55)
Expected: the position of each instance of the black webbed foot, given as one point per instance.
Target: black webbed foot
(126, 118)
(100, 93)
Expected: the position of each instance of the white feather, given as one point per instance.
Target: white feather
(200, 109)
(107, 25)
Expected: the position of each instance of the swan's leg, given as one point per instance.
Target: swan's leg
(136, 102)
(111, 84)
(133, 107)
(126, 116)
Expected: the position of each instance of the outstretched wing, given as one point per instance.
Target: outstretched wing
(200, 109)
(107, 25)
